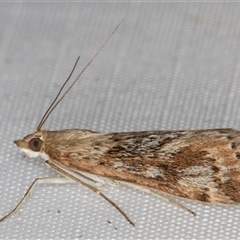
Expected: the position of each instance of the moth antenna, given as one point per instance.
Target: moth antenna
(42, 120)
(56, 102)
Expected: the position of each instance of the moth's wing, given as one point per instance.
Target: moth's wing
(199, 165)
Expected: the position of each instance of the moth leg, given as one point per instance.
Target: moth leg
(65, 173)
(30, 189)
(172, 201)
(93, 179)
(99, 181)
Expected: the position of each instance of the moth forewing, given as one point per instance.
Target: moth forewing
(202, 165)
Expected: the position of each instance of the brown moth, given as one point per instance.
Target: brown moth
(201, 165)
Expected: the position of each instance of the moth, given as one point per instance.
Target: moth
(199, 165)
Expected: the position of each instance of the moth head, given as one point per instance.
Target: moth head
(32, 144)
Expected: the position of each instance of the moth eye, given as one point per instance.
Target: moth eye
(35, 144)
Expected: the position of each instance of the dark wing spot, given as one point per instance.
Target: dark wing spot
(233, 145)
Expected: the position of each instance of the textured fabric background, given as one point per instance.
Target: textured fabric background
(169, 66)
